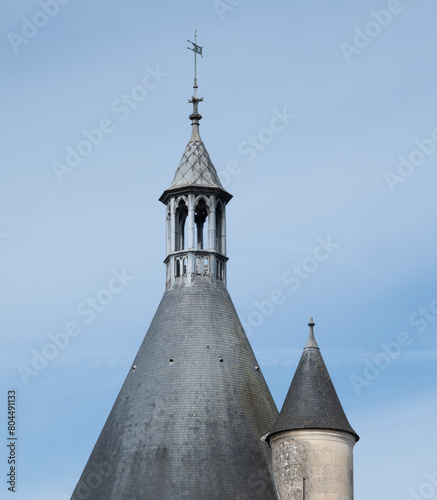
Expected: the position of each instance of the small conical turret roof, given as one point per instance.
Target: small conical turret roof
(312, 401)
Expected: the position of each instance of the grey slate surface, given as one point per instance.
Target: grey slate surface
(312, 401)
(196, 168)
(189, 428)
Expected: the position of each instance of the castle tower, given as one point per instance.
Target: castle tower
(188, 421)
(312, 441)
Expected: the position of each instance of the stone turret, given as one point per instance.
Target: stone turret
(312, 441)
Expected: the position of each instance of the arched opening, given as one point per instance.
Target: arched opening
(184, 267)
(181, 217)
(200, 216)
(219, 227)
(206, 266)
(177, 271)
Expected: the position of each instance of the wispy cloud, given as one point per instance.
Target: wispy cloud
(345, 357)
(288, 357)
(418, 356)
(108, 358)
(99, 358)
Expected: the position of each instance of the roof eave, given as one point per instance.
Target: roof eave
(268, 436)
(209, 190)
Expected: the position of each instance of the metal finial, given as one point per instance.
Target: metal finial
(197, 49)
(195, 116)
(311, 339)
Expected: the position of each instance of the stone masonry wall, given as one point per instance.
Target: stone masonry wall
(323, 458)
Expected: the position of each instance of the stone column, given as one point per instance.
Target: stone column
(172, 226)
(168, 228)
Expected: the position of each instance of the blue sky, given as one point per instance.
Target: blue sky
(355, 88)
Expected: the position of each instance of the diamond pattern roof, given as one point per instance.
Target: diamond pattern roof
(196, 168)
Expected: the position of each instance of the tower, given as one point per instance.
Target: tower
(188, 420)
(196, 215)
(312, 441)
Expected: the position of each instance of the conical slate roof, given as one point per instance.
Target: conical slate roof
(312, 401)
(190, 415)
(196, 168)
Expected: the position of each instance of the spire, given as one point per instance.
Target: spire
(312, 401)
(196, 168)
(189, 417)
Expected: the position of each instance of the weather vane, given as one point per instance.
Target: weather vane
(197, 49)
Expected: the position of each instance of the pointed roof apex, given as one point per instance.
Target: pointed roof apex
(311, 339)
(312, 401)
